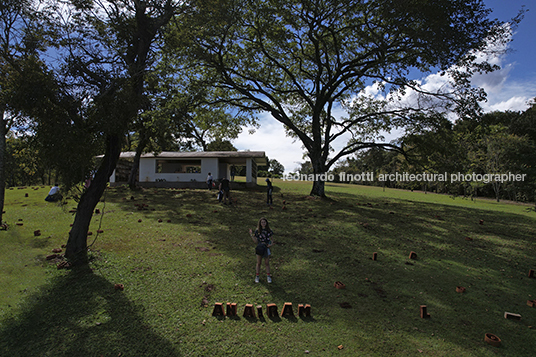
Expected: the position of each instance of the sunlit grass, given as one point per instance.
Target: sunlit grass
(200, 253)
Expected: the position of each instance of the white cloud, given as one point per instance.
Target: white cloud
(513, 104)
(511, 94)
(272, 139)
(492, 82)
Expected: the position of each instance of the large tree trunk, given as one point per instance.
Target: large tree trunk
(318, 188)
(3, 133)
(76, 250)
(134, 171)
(319, 170)
(136, 164)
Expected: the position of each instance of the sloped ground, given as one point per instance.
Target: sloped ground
(188, 252)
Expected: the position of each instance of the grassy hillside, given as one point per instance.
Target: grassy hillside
(200, 253)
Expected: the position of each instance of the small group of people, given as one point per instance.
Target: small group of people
(262, 236)
(224, 188)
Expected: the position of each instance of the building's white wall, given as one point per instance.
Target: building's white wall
(148, 171)
(209, 165)
(249, 170)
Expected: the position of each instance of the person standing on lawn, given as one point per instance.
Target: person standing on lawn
(210, 180)
(225, 187)
(262, 237)
(269, 191)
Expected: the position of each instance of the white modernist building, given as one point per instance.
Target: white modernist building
(190, 169)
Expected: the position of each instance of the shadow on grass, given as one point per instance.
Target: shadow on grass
(80, 314)
(320, 241)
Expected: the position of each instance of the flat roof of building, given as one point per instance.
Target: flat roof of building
(258, 156)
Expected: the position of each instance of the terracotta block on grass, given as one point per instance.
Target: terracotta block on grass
(304, 310)
(231, 309)
(287, 310)
(249, 311)
(531, 273)
(339, 285)
(512, 316)
(531, 303)
(412, 255)
(218, 309)
(492, 340)
(271, 310)
(460, 289)
(375, 256)
(424, 312)
(259, 312)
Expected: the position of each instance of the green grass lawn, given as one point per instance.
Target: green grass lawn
(200, 253)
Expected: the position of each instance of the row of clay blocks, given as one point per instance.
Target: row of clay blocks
(271, 310)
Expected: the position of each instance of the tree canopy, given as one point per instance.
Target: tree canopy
(105, 51)
(309, 63)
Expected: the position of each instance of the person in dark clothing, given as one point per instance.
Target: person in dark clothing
(269, 191)
(225, 187)
(233, 173)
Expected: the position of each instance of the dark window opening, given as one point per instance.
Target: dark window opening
(178, 166)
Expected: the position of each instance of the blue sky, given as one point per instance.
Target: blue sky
(523, 43)
(519, 74)
(508, 89)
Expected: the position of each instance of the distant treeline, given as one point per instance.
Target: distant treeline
(497, 143)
